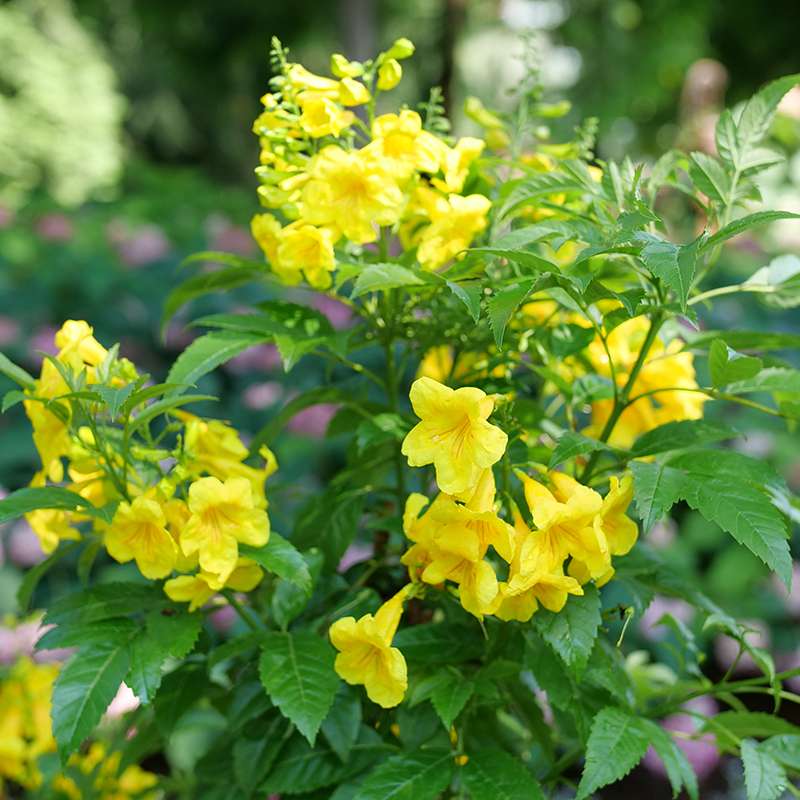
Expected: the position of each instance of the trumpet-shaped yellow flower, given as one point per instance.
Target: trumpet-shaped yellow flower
(138, 532)
(300, 79)
(342, 67)
(453, 434)
(453, 227)
(50, 437)
(532, 579)
(310, 249)
(565, 522)
(223, 514)
(352, 192)
(52, 527)
(77, 346)
(619, 530)
(198, 589)
(390, 73)
(366, 655)
(266, 231)
(456, 164)
(352, 92)
(400, 139)
(322, 116)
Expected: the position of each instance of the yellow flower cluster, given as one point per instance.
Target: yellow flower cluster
(459, 537)
(336, 178)
(189, 519)
(25, 735)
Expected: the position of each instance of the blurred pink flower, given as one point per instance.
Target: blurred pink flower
(55, 228)
(791, 598)
(144, 246)
(23, 545)
(9, 331)
(223, 618)
(41, 341)
(701, 752)
(355, 554)
(6, 217)
(124, 701)
(19, 641)
(178, 336)
(663, 534)
(259, 396)
(261, 358)
(338, 314)
(649, 626)
(314, 420)
(227, 237)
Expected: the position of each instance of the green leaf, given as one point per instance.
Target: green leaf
(764, 777)
(301, 768)
(83, 691)
(439, 643)
(341, 727)
(781, 280)
(747, 340)
(422, 775)
(573, 630)
(164, 406)
(772, 379)
(681, 434)
(727, 365)
(530, 262)
(34, 574)
(469, 293)
(784, 748)
(751, 724)
(709, 176)
(15, 373)
(571, 444)
(743, 224)
(503, 304)
(759, 112)
(253, 758)
(450, 696)
(208, 352)
(297, 672)
(23, 501)
(282, 558)
(209, 282)
(382, 277)
(656, 489)
(679, 770)
(616, 745)
(673, 264)
(493, 774)
(105, 601)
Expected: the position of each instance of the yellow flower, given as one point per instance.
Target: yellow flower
(366, 655)
(223, 514)
(107, 781)
(401, 48)
(352, 92)
(532, 579)
(50, 437)
(352, 192)
(619, 530)
(341, 67)
(564, 519)
(198, 589)
(266, 231)
(322, 116)
(300, 79)
(51, 527)
(306, 247)
(390, 73)
(453, 434)
(400, 139)
(452, 229)
(138, 531)
(77, 346)
(456, 164)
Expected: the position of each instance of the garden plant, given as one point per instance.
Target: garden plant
(527, 386)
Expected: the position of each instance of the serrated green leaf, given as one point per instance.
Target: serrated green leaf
(709, 176)
(104, 601)
(784, 748)
(573, 630)
(342, 725)
(281, 557)
(108, 631)
(382, 277)
(571, 444)
(493, 774)
(23, 501)
(450, 696)
(680, 434)
(253, 757)
(83, 691)
(297, 672)
(674, 264)
(422, 775)
(743, 224)
(469, 293)
(772, 379)
(751, 724)
(503, 304)
(656, 489)
(616, 745)
(727, 366)
(207, 353)
(764, 777)
(747, 340)
(438, 643)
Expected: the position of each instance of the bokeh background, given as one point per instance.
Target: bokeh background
(125, 146)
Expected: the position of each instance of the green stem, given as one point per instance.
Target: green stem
(248, 618)
(733, 289)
